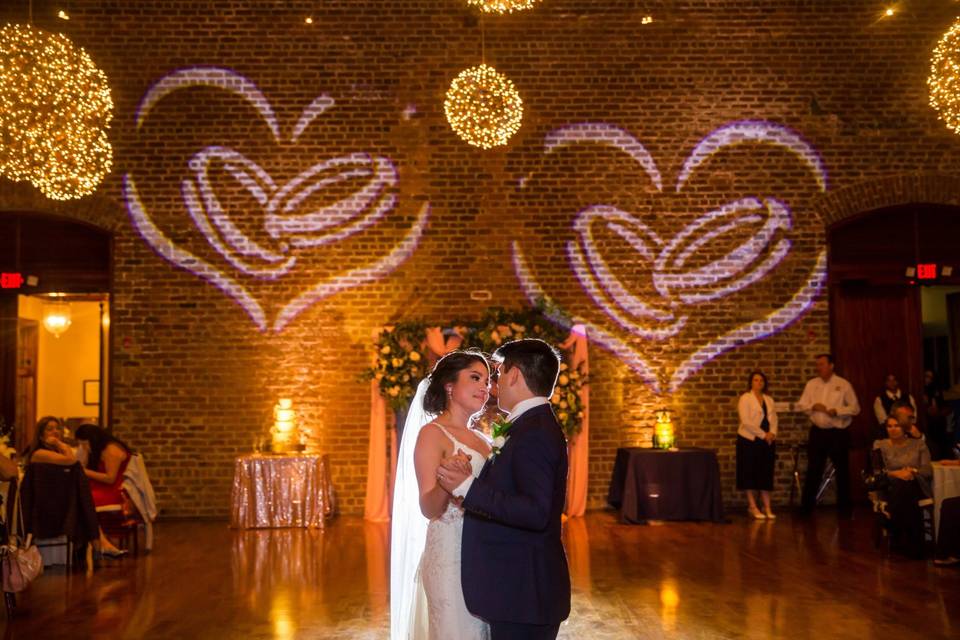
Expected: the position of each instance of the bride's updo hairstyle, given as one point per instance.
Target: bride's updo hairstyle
(445, 372)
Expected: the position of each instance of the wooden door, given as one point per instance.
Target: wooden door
(875, 330)
(28, 355)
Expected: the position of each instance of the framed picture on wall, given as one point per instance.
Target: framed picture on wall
(91, 392)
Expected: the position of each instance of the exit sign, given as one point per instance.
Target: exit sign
(11, 280)
(927, 271)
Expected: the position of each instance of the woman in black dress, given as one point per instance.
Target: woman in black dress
(756, 451)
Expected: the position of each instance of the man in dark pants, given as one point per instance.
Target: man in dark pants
(831, 403)
(514, 568)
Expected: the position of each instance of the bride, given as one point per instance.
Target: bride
(426, 597)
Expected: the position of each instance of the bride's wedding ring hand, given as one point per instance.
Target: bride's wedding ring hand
(451, 473)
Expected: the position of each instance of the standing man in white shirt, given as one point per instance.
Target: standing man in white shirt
(831, 403)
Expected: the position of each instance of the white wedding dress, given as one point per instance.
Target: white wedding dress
(439, 572)
(425, 555)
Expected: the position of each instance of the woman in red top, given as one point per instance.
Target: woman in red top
(107, 459)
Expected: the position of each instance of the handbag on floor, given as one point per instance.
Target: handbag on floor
(20, 561)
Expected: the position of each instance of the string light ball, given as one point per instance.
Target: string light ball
(483, 107)
(502, 6)
(55, 109)
(944, 79)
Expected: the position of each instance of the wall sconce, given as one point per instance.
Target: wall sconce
(663, 434)
(285, 435)
(56, 317)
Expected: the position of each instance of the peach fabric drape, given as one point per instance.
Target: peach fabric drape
(578, 449)
(380, 480)
(377, 504)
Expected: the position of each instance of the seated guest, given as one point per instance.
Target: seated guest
(890, 394)
(8, 469)
(756, 448)
(938, 412)
(49, 448)
(48, 445)
(906, 415)
(907, 464)
(107, 459)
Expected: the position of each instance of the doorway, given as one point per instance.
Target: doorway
(878, 300)
(54, 323)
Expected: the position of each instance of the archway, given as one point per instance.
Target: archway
(43, 254)
(875, 300)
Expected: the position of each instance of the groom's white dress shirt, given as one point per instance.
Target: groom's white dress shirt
(519, 409)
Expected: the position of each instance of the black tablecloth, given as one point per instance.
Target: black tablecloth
(655, 484)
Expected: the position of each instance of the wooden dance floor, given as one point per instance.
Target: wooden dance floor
(787, 579)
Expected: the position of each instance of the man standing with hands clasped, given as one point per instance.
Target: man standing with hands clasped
(514, 569)
(831, 403)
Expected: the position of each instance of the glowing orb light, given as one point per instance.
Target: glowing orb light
(55, 107)
(483, 107)
(502, 6)
(944, 79)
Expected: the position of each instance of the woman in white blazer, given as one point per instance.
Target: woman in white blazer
(756, 448)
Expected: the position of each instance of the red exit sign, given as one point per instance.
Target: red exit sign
(927, 271)
(11, 280)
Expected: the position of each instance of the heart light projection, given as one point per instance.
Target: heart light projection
(284, 230)
(680, 274)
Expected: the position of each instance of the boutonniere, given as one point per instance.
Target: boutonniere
(498, 432)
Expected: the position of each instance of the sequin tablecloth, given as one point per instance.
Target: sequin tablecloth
(271, 491)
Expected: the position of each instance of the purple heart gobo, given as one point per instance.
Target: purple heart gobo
(681, 273)
(285, 229)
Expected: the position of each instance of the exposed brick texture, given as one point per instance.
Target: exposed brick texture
(195, 380)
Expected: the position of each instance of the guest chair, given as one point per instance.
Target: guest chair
(58, 507)
(122, 522)
(796, 485)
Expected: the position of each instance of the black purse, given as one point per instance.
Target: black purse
(875, 478)
(876, 481)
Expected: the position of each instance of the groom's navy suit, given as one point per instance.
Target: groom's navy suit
(514, 568)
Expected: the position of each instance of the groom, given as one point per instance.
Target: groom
(514, 569)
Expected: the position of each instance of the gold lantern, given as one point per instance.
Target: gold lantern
(663, 433)
(285, 434)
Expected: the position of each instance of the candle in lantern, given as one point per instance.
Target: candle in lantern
(663, 430)
(285, 434)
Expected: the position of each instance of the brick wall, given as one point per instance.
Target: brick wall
(194, 379)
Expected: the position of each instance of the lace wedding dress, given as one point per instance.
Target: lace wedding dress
(439, 572)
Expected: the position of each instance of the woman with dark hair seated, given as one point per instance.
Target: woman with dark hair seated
(107, 459)
(906, 462)
(48, 445)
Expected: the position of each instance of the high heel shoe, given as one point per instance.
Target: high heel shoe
(770, 515)
(114, 553)
(757, 514)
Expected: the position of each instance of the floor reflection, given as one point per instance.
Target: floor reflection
(792, 579)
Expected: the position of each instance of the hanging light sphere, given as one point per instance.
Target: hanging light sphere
(502, 6)
(55, 108)
(944, 79)
(483, 107)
